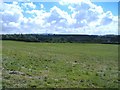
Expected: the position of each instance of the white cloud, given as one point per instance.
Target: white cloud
(41, 6)
(11, 17)
(29, 5)
(84, 18)
(66, 2)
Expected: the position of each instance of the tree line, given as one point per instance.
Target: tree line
(56, 38)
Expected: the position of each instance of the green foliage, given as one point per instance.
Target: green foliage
(52, 38)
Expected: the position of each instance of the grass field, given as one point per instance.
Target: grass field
(40, 65)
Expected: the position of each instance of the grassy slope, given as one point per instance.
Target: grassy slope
(59, 64)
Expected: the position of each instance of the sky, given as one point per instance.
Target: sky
(62, 17)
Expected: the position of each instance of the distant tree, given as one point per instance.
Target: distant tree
(113, 39)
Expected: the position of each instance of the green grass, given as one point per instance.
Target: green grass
(58, 65)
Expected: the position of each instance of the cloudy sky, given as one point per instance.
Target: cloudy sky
(62, 17)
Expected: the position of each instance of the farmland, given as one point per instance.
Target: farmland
(40, 65)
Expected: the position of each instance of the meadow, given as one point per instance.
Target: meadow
(61, 65)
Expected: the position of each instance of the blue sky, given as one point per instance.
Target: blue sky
(109, 6)
(84, 17)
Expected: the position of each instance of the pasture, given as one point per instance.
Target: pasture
(61, 65)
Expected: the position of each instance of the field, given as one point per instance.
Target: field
(41, 65)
